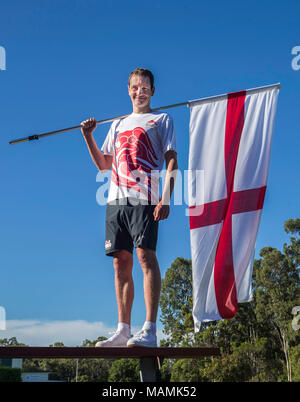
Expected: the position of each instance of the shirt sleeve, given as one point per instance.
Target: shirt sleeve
(107, 147)
(168, 134)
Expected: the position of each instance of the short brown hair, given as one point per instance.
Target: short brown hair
(142, 71)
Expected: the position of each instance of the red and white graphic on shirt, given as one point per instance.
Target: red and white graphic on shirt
(133, 162)
(152, 122)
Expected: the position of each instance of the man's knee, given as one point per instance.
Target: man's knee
(122, 262)
(147, 258)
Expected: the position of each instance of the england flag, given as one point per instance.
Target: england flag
(230, 142)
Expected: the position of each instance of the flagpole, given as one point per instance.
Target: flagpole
(187, 103)
(64, 130)
(224, 96)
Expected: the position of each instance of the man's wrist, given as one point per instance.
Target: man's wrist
(88, 135)
(165, 202)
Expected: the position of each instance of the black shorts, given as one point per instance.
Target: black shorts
(130, 225)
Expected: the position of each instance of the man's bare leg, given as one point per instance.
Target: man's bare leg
(152, 284)
(124, 292)
(123, 262)
(152, 281)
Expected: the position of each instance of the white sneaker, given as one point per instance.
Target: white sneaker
(144, 338)
(117, 340)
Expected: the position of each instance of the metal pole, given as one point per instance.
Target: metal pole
(189, 103)
(150, 368)
(224, 96)
(64, 130)
(76, 374)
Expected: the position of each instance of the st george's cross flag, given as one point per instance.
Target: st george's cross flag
(230, 142)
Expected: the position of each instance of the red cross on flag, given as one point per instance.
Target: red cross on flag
(230, 142)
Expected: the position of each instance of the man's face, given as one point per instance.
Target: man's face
(140, 92)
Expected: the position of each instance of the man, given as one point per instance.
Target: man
(136, 148)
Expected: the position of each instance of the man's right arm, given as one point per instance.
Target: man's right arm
(102, 161)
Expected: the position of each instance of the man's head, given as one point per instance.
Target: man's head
(140, 89)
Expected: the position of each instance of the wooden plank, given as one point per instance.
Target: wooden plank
(93, 352)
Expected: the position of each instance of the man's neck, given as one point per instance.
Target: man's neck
(141, 110)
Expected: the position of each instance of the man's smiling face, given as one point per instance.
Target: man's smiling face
(140, 92)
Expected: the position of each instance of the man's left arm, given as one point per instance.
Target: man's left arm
(162, 209)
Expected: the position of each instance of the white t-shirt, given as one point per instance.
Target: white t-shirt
(138, 144)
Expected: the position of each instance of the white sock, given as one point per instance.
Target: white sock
(123, 328)
(150, 325)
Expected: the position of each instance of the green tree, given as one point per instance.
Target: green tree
(11, 342)
(187, 370)
(124, 370)
(176, 303)
(292, 227)
(277, 285)
(295, 362)
(91, 370)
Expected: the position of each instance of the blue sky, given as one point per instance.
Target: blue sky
(69, 60)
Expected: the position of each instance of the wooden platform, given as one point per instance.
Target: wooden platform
(93, 352)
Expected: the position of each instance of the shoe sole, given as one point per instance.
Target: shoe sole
(141, 346)
(119, 346)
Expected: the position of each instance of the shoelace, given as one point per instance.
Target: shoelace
(115, 334)
(141, 334)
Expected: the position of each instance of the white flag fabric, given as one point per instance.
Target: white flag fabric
(230, 140)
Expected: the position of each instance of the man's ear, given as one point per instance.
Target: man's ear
(153, 90)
